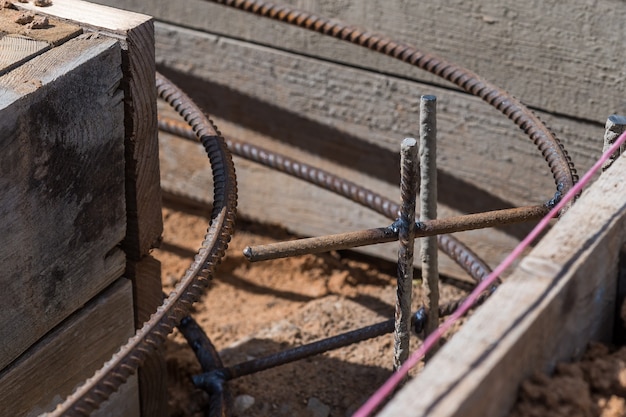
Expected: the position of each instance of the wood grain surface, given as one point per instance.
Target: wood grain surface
(51, 369)
(559, 57)
(136, 34)
(142, 187)
(62, 211)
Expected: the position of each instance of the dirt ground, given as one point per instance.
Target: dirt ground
(594, 386)
(252, 310)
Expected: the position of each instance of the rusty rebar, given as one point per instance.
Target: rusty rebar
(559, 162)
(355, 239)
(417, 320)
(452, 247)
(125, 362)
(409, 174)
(304, 351)
(615, 126)
(321, 244)
(428, 208)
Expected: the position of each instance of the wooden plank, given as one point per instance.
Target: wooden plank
(17, 49)
(148, 296)
(61, 187)
(47, 373)
(142, 188)
(558, 57)
(136, 31)
(19, 43)
(560, 297)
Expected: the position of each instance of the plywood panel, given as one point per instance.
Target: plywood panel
(61, 186)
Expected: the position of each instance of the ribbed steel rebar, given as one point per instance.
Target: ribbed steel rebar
(551, 148)
(451, 246)
(125, 362)
(349, 240)
(409, 167)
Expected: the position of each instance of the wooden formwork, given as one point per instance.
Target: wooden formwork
(346, 110)
(79, 203)
(561, 296)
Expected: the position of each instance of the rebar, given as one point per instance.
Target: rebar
(615, 126)
(409, 174)
(223, 374)
(349, 240)
(321, 244)
(428, 208)
(452, 247)
(304, 351)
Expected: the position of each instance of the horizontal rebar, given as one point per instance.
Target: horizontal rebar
(301, 352)
(389, 234)
(455, 249)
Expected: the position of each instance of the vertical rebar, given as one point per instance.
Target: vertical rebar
(428, 208)
(406, 234)
(615, 126)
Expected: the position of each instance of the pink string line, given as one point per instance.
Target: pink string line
(385, 390)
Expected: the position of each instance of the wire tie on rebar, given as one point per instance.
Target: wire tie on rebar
(211, 382)
(395, 226)
(557, 197)
(419, 320)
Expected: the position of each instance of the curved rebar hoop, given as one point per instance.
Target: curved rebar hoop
(125, 362)
(551, 148)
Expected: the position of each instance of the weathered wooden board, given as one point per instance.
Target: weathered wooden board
(16, 49)
(51, 369)
(136, 33)
(19, 43)
(561, 296)
(562, 57)
(62, 210)
(142, 187)
(147, 297)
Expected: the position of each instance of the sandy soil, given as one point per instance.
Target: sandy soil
(252, 310)
(594, 386)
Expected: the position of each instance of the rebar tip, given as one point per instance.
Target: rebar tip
(247, 252)
(409, 143)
